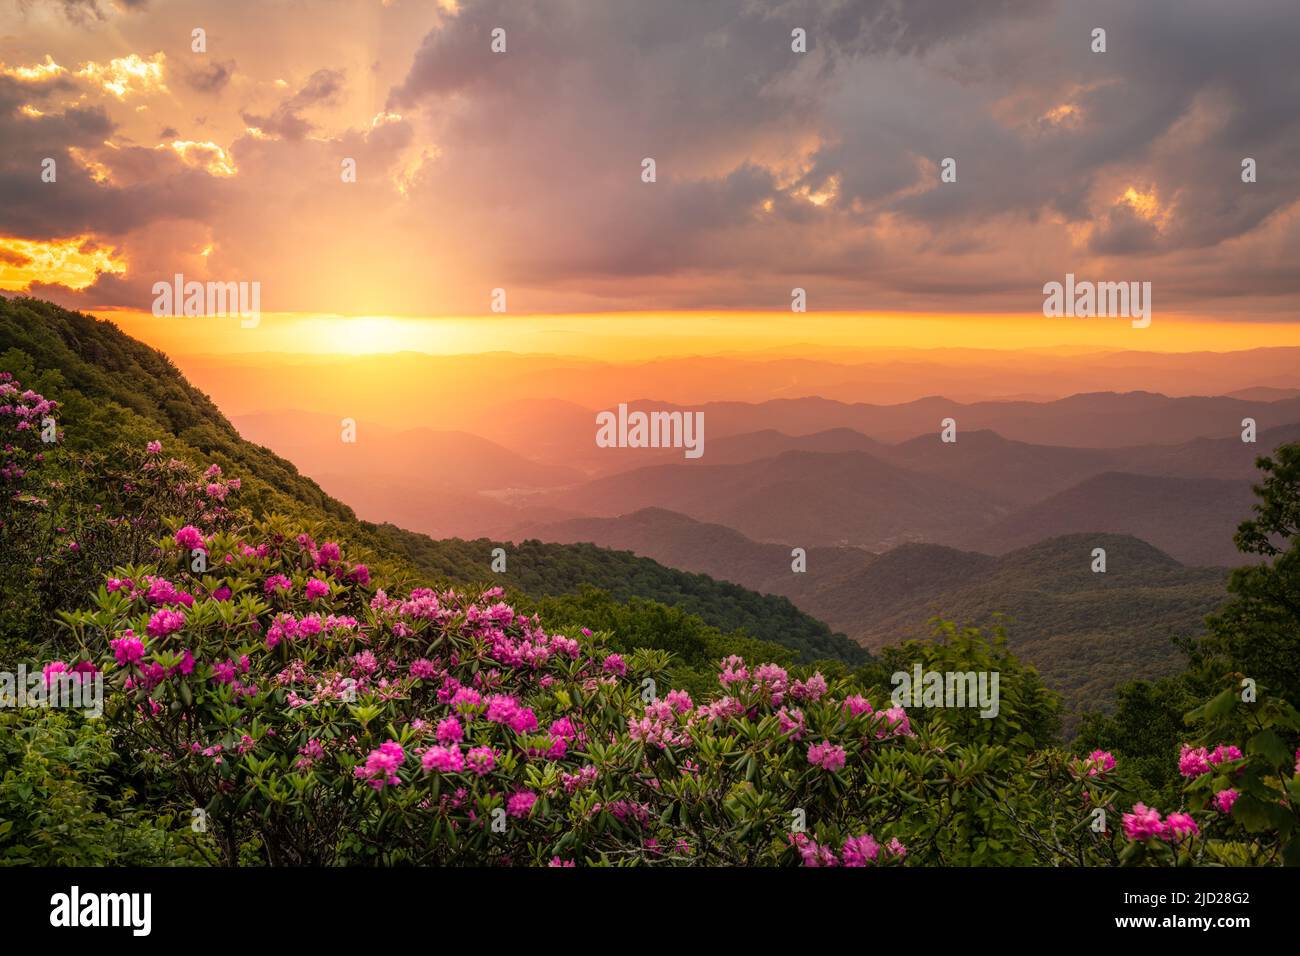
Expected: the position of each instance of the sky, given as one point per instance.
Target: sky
(522, 170)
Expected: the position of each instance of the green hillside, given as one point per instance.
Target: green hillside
(1086, 632)
(114, 390)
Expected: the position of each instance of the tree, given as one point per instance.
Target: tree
(1257, 633)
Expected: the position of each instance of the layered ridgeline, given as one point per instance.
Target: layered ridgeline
(1086, 632)
(113, 390)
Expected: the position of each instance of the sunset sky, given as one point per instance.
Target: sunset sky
(775, 169)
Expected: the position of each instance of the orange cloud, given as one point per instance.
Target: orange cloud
(75, 263)
(1144, 204)
(126, 75)
(209, 157)
(34, 74)
(120, 77)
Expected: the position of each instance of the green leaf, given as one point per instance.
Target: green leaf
(1269, 746)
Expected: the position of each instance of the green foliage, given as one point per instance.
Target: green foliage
(695, 646)
(1256, 635)
(542, 569)
(62, 802)
(1028, 714)
(1145, 731)
(1258, 632)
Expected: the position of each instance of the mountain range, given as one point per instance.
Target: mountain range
(1086, 631)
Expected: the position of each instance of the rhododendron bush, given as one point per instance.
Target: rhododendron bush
(62, 526)
(315, 718)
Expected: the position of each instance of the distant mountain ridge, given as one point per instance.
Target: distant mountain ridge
(1085, 631)
(1192, 519)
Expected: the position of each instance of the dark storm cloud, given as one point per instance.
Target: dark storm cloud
(1043, 130)
(774, 168)
(154, 184)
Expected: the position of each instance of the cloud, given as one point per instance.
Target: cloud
(211, 78)
(774, 168)
(322, 87)
(81, 11)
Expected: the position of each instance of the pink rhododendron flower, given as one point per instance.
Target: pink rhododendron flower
(443, 759)
(1193, 761)
(524, 721)
(127, 649)
(614, 665)
(51, 671)
(450, 731)
(466, 699)
(811, 690)
(1224, 800)
(733, 671)
(308, 754)
(576, 781)
(364, 663)
(680, 701)
(1224, 753)
(857, 705)
(860, 850)
(1143, 823)
(1180, 825)
(381, 765)
(190, 538)
(894, 723)
(771, 682)
(316, 589)
(811, 852)
(502, 708)
(165, 622)
(521, 804)
(154, 448)
(826, 755)
(277, 582)
(1099, 761)
(482, 760)
(792, 722)
(423, 669)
